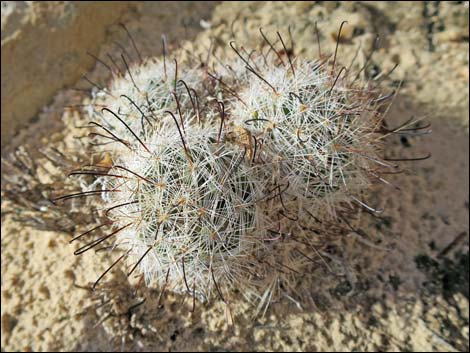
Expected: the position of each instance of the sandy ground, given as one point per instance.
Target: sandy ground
(409, 291)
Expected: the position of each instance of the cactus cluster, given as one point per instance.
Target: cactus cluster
(230, 177)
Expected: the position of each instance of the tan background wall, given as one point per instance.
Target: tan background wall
(44, 47)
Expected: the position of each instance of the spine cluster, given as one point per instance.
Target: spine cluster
(231, 177)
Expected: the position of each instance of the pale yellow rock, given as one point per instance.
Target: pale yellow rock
(44, 47)
(454, 34)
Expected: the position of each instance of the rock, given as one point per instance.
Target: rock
(356, 24)
(44, 47)
(453, 34)
(8, 323)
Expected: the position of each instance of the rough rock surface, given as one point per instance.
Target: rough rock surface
(44, 47)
